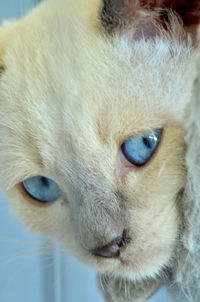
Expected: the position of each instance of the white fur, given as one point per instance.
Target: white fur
(70, 95)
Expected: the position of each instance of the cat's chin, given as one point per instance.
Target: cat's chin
(130, 270)
(136, 270)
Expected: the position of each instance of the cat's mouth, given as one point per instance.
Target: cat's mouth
(131, 264)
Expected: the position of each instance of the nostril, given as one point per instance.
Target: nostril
(112, 249)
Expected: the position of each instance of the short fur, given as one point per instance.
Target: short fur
(186, 273)
(71, 92)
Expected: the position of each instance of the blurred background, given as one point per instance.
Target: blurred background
(31, 268)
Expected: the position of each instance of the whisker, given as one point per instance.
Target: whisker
(24, 242)
(164, 165)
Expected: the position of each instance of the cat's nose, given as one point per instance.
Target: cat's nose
(112, 249)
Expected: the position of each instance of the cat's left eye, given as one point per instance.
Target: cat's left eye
(138, 150)
(42, 189)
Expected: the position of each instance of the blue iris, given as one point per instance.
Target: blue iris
(43, 189)
(138, 150)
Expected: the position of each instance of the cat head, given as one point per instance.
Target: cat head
(91, 130)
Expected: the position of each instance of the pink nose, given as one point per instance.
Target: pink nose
(112, 249)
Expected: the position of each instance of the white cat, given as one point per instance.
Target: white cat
(92, 98)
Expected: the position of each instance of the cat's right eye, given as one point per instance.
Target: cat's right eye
(42, 189)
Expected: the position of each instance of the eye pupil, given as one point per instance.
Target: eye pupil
(146, 142)
(45, 181)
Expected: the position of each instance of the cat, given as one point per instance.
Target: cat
(93, 95)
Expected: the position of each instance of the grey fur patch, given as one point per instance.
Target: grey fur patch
(110, 18)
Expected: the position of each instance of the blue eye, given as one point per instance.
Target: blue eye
(41, 188)
(138, 150)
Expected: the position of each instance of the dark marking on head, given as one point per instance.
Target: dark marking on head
(188, 10)
(2, 67)
(115, 13)
(109, 16)
(2, 53)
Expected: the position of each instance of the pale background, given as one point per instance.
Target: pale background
(29, 271)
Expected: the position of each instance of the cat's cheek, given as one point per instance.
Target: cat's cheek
(123, 167)
(52, 221)
(150, 197)
(45, 219)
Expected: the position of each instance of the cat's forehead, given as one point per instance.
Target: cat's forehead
(102, 79)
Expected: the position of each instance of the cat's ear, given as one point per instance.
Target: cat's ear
(149, 13)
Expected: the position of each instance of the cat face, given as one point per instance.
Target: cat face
(74, 101)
